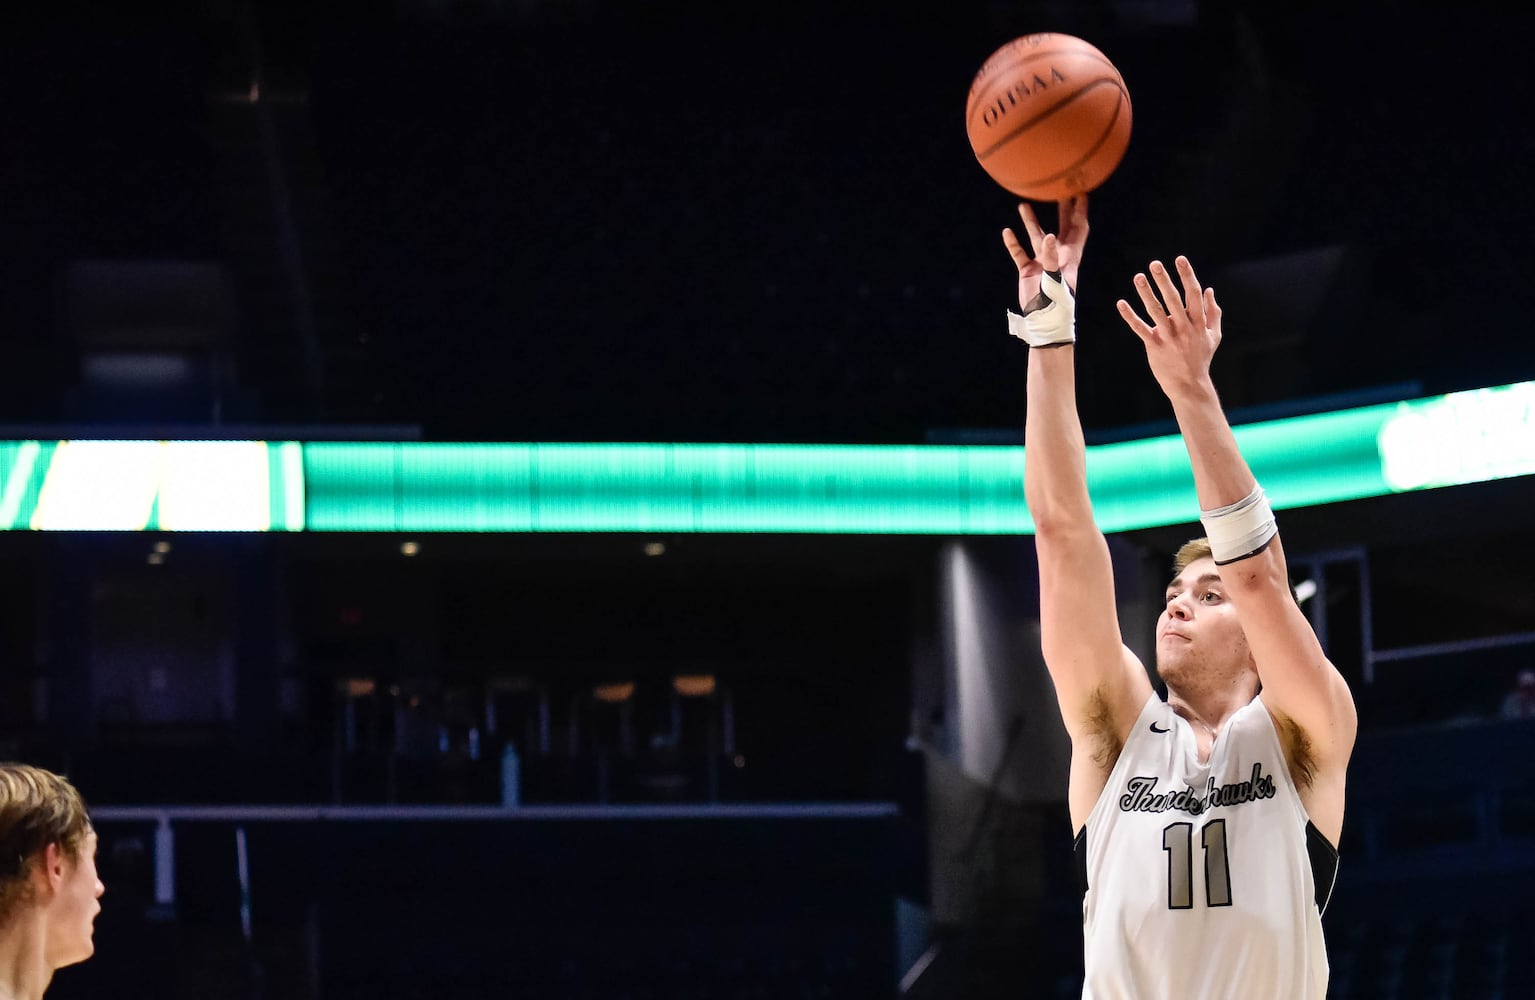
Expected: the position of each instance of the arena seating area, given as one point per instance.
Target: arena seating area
(399, 232)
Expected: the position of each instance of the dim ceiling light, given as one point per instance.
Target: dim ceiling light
(614, 693)
(694, 685)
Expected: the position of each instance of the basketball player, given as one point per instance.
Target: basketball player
(49, 890)
(1205, 824)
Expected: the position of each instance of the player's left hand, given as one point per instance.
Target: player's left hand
(1184, 328)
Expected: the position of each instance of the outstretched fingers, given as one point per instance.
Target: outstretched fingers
(1134, 322)
(1072, 213)
(1193, 295)
(1031, 226)
(1015, 249)
(1212, 313)
(1149, 300)
(1170, 293)
(1047, 251)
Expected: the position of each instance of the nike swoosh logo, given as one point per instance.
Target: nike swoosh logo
(1156, 730)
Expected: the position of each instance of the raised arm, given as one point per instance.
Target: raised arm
(1299, 683)
(1099, 683)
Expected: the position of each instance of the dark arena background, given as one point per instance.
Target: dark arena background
(521, 498)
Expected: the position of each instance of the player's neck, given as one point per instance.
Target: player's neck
(24, 975)
(1208, 712)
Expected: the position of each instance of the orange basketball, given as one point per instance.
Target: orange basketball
(1048, 116)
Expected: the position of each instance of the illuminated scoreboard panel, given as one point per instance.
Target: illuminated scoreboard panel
(151, 485)
(331, 486)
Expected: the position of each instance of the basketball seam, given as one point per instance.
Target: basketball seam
(1047, 112)
(975, 96)
(1087, 155)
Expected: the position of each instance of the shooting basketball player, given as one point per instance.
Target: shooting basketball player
(1205, 824)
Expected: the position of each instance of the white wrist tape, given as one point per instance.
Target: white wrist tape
(1050, 324)
(1241, 529)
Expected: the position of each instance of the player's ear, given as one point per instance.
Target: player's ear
(54, 862)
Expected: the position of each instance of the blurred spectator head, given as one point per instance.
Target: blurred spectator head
(1519, 703)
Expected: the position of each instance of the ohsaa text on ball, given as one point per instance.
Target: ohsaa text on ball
(1008, 99)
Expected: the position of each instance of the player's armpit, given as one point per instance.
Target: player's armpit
(1092, 670)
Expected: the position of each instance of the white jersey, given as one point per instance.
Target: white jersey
(1203, 880)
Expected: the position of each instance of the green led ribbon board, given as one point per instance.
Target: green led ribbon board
(1441, 441)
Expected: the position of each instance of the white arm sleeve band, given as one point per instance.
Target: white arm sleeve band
(1050, 324)
(1240, 530)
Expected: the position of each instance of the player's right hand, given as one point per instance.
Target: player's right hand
(1048, 251)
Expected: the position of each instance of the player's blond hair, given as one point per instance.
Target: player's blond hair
(1199, 548)
(1195, 548)
(37, 808)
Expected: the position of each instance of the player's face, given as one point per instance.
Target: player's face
(1198, 634)
(73, 913)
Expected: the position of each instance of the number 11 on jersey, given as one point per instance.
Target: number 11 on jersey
(1178, 842)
